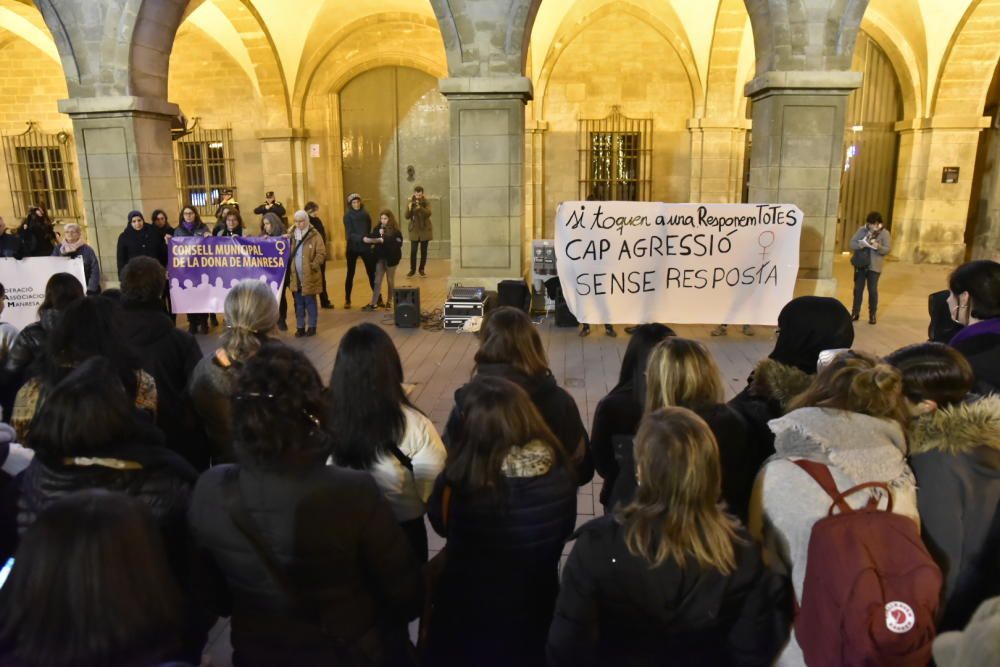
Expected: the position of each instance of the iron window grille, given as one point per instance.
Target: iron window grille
(40, 173)
(204, 167)
(615, 156)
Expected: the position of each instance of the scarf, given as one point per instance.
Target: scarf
(68, 248)
(990, 326)
(867, 449)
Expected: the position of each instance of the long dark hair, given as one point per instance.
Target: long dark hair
(61, 290)
(366, 397)
(87, 414)
(89, 327)
(497, 415)
(508, 336)
(91, 587)
(277, 412)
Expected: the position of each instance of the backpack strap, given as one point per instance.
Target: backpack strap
(822, 476)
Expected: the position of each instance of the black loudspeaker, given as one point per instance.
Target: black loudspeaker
(514, 293)
(406, 307)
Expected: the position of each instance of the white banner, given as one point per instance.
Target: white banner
(624, 262)
(24, 283)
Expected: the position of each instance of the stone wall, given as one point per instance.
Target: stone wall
(206, 82)
(619, 60)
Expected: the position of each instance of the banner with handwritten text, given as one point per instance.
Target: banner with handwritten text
(623, 262)
(203, 270)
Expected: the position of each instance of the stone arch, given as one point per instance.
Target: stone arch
(256, 37)
(969, 62)
(724, 61)
(142, 32)
(903, 60)
(309, 71)
(21, 27)
(487, 38)
(672, 34)
(782, 33)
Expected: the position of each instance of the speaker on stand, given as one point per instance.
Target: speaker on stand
(406, 307)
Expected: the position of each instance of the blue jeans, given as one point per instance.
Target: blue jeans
(305, 310)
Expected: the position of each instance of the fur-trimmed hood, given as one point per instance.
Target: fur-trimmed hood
(959, 428)
(776, 381)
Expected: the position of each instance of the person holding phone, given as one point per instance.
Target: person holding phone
(418, 212)
(870, 244)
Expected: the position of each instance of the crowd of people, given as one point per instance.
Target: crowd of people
(841, 509)
(379, 246)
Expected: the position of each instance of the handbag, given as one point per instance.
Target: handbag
(366, 650)
(861, 258)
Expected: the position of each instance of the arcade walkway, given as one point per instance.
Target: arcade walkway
(438, 362)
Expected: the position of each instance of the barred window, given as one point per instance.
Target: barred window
(615, 158)
(40, 171)
(204, 166)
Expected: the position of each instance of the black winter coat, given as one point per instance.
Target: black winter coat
(170, 356)
(146, 242)
(557, 407)
(391, 249)
(494, 602)
(338, 541)
(738, 461)
(616, 420)
(162, 481)
(956, 459)
(357, 225)
(10, 246)
(614, 610)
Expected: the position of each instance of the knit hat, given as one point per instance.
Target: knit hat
(977, 645)
(351, 197)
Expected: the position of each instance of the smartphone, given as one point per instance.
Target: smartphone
(5, 571)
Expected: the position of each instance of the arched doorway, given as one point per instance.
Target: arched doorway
(871, 144)
(394, 135)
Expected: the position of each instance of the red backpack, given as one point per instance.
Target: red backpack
(871, 590)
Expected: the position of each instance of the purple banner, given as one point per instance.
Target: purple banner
(202, 270)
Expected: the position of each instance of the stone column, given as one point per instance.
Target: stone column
(283, 156)
(797, 158)
(486, 160)
(534, 184)
(126, 163)
(929, 216)
(718, 147)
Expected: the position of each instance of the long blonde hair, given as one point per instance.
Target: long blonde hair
(682, 373)
(676, 512)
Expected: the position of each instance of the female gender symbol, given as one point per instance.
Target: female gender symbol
(765, 241)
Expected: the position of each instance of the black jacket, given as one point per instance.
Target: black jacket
(738, 461)
(770, 389)
(10, 246)
(336, 537)
(162, 482)
(557, 407)
(143, 243)
(390, 250)
(170, 356)
(37, 238)
(956, 459)
(616, 420)
(494, 602)
(614, 610)
(163, 233)
(357, 224)
(277, 208)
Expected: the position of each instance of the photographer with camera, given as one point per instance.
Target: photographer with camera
(870, 245)
(418, 212)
